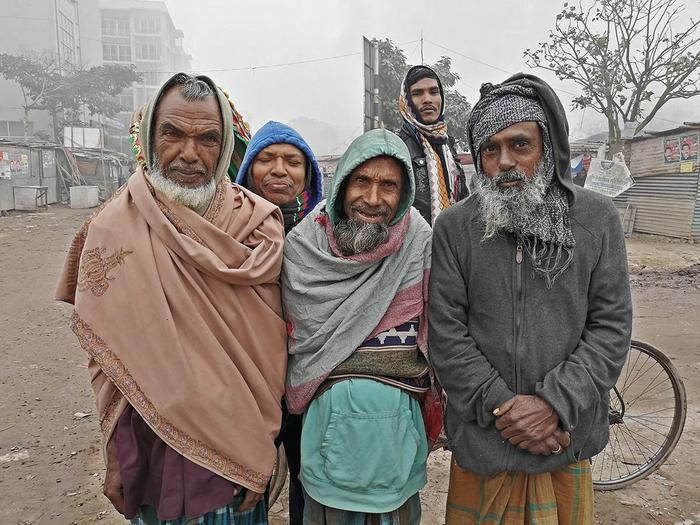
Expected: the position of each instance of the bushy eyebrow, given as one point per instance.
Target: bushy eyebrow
(211, 133)
(168, 126)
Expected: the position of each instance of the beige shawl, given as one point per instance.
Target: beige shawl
(181, 317)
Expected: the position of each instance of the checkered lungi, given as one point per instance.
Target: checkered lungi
(225, 515)
(563, 497)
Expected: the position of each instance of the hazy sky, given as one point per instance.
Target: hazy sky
(229, 34)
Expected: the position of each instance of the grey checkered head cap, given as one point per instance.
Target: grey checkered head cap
(500, 107)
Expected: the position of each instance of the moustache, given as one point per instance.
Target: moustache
(383, 211)
(430, 106)
(510, 176)
(190, 170)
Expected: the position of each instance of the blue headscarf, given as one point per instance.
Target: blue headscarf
(278, 133)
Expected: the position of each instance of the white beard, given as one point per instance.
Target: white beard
(197, 199)
(510, 209)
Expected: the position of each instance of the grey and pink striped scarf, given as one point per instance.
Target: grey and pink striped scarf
(334, 303)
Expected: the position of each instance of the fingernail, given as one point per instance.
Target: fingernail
(496, 411)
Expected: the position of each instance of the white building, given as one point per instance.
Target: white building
(68, 30)
(141, 32)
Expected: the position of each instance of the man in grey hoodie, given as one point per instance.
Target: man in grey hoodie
(530, 317)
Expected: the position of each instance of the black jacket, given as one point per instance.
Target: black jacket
(420, 171)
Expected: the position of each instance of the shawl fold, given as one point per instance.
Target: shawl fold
(334, 303)
(181, 317)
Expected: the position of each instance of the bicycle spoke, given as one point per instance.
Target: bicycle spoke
(641, 371)
(649, 388)
(639, 422)
(634, 457)
(630, 367)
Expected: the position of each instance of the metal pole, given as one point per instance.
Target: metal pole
(375, 90)
(102, 156)
(422, 62)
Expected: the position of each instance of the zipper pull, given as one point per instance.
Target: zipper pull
(519, 253)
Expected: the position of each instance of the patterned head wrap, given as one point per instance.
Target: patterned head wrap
(547, 236)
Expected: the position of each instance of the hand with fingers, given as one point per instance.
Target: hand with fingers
(250, 500)
(530, 423)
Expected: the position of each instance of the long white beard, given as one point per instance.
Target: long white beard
(197, 199)
(510, 209)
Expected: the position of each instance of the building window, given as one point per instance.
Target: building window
(116, 52)
(147, 51)
(66, 40)
(126, 100)
(115, 26)
(149, 25)
(151, 78)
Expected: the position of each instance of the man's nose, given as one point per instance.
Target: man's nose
(506, 161)
(189, 152)
(372, 196)
(278, 167)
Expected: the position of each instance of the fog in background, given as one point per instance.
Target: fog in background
(323, 99)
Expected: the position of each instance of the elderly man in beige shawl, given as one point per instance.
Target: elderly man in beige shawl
(177, 303)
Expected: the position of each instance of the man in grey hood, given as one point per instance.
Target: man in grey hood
(530, 317)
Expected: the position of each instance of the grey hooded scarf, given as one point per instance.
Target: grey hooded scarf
(547, 237)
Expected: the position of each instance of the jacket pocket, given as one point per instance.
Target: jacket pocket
(370, 451)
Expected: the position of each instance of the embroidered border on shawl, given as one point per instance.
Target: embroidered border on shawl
(217, 202)
(182, 442)
(108, 419)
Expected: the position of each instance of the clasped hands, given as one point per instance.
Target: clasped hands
(530, 423)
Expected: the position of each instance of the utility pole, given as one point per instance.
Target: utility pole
(375, 84)
(422, 62)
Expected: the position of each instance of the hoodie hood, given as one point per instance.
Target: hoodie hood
(557, 124)
(227, 142)
(374, 143)
(278, 133)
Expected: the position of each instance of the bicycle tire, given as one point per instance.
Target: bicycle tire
(279, 476)
(641, 470)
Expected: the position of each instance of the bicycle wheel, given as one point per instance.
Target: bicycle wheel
(279, 476)
(647, 414)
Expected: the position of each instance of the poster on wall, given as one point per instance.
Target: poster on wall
(4, 166)
(672, 150)
(689, 147)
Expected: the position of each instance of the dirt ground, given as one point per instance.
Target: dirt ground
(50, 461)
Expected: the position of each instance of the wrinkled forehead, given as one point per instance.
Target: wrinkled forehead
(386, 166)
(173, 106)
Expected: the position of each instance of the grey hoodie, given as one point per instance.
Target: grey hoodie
(495, 331)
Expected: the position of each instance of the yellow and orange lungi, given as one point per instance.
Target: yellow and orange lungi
(563, 497)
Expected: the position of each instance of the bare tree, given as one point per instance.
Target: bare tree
(630, 57)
